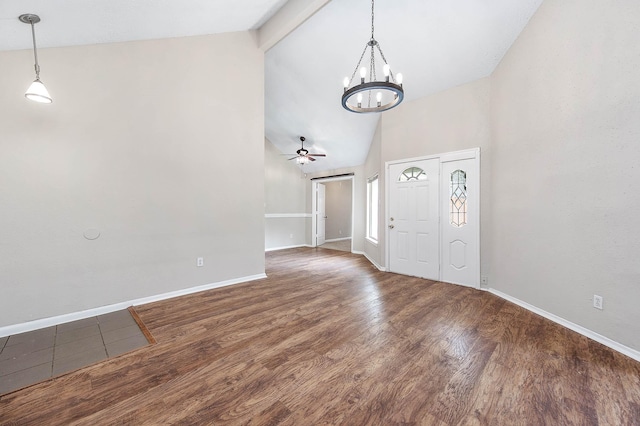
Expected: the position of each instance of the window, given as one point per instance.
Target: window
(458, 198)
(372, 209)
(412, 173)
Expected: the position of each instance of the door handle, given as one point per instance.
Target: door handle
(391, 226)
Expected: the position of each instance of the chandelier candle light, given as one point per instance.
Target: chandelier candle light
(36, 92)
(372, 96)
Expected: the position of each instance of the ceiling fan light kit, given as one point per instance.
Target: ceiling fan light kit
(303, 156)
(380, 95)
(36, 92)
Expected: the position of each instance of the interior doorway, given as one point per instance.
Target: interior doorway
(433, 217)
(332, 212)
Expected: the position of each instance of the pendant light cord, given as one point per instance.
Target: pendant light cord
(35, 51)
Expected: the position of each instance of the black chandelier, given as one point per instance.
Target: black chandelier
(372, 95)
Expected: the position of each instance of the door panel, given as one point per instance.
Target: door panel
(460, 201)
(413, 218)
(422, 204)
(423, 250)
(321, 216)
(458, 254)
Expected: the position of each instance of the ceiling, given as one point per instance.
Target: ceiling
(78, 22)
(436, 45)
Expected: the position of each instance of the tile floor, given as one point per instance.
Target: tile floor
(342, 245)
(31, 357)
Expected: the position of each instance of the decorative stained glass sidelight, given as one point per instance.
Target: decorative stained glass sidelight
(412, 173)
(458, 198)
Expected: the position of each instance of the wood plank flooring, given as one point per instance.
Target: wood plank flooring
(327, 339)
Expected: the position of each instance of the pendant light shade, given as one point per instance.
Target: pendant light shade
(36, 92)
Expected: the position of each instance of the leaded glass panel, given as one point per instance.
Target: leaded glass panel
(458, 198)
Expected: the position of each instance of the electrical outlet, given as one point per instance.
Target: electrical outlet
(598, 302)
(484, 281)
(200, 261)
(290, 235)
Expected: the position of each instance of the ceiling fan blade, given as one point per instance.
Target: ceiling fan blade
(311, 158)
(293, 158)
(317, 155)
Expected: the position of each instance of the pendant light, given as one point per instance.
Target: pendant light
(372, 95)
(36, 92)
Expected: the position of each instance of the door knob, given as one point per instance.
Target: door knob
(391, 226)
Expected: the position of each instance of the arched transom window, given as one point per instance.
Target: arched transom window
(412, 173)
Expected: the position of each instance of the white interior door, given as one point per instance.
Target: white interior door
(460, 217)
(321, 214)
(413, 218)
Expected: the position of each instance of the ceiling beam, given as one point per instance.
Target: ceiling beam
(293, 14)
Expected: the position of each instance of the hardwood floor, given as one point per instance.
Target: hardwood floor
(327, 339)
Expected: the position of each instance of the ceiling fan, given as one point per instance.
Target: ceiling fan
(303, 156)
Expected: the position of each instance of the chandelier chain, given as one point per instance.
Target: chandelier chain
(385, 61)
(372, 16)
(372, 72)
(358, 64)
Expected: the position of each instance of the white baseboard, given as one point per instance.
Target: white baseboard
(287, 247)
(373, 262)
(74, 316)
(333, 240)
(631, 353)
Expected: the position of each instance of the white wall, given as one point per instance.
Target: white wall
(144, 142)
(566, 143)
(287, 216)
(338, 201)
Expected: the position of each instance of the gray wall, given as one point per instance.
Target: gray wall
(287, 216)
(557, 124)
(565, 108)
(451, 120)
(374, 166)
(338, 209)
(141, 144)
(359, 195)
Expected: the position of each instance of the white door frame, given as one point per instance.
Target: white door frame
(314, 213)
(445, 157)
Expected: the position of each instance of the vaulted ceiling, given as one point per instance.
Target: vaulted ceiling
(435, 44)
(78, 22)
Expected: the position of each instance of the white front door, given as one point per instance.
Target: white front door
(321, 215)
(413, 218)
(460, 227)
